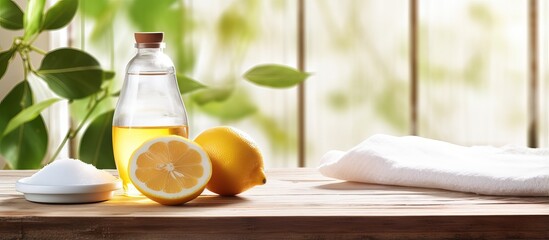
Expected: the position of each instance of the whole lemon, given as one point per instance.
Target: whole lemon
(237, 163)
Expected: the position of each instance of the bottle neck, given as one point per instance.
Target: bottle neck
(147, 51)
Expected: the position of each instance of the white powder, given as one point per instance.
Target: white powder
(70, 172)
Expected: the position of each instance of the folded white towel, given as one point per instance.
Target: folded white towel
(421, 162)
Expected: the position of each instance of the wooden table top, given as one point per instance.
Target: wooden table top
(294, 204)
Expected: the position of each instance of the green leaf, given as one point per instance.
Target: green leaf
(96, 143)
(175, 19)
(115, 94)
(236, 107)
(18, 98)
(108, 75)
(389, 102)
(211, 95)
(71, 73)
(33, 18)
(276, 76)
(94, 8)
(60, 14)
(282, 140)
(28, 114)
(11, 16)
(187, 84)
(24, 147)
(236, 25)
(102, 13)
(5, 58)
(146, 14)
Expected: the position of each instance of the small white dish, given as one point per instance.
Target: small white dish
(83, 193)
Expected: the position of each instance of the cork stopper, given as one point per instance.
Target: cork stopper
(149, 39)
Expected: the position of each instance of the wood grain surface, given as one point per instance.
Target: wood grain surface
(294, 204)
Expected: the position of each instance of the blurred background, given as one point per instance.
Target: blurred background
(473, 84)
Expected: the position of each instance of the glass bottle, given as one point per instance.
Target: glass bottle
(150, 104)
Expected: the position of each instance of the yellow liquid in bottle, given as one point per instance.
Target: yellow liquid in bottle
(127, 139)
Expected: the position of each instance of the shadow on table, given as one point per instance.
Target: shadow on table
(216, 200)
(359, 186)
(203, 200)
(379, 189)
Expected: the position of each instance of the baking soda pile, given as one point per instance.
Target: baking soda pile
(70, 172)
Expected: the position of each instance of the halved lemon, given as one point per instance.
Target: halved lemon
(170, 170)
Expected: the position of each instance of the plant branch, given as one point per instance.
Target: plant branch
(58, 150)
(88, 114)
(33, 39)
(25, 63)
(38, 50)
(72, 133)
